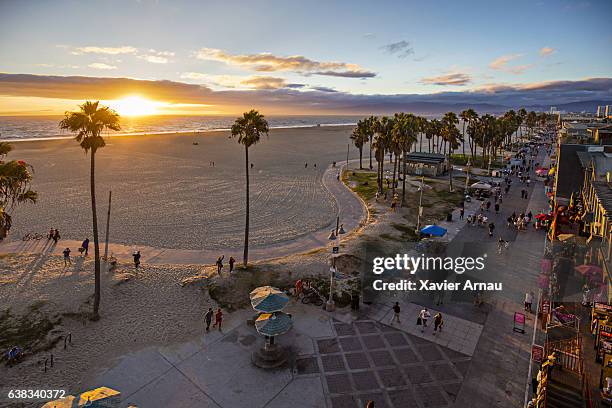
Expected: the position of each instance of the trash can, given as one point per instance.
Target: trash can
(449, 217)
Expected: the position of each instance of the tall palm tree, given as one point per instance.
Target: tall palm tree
(370, 128)
(405, 128)
(522, 116)
(360, 137)
(248, 129)
(451, 136)
(88, 124)
(15, 179)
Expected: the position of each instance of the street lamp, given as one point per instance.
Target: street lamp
(334, 236)
(467, 174)
(420, 210)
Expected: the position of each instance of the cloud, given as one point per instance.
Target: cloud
(493, 97)
(237, 81)
(104, 50)
(266, 62)
(323, 89)
(453, 78)
(547, 51)
(100, 65)
(264, 82)
(501, 64)
(401, 49)
(156, 57)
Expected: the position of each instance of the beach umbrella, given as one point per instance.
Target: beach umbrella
(268, 299)
(273, 324)
(481, 186)
(585, 269)
(434, 230)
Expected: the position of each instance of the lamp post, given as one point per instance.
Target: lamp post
(334, 237)
(467, 174)
(420, 209)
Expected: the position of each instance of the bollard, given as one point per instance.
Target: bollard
(45, 365)
(65, 338)
(51, 360)
(70, 337)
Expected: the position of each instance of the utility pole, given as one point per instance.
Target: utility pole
(110, 194)
(348, 146)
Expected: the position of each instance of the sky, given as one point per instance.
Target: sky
(215, 57)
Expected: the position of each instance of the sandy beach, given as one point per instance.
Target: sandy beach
(167, 194)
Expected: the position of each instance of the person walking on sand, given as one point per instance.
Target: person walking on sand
(67, 260)
(438, 323)
(136, 256)
(85, 246)
(423, 316)
(218, 318)
(396, 313)
(208, 318)
(219, 264)
(51, 234)
(56, 236)
(232, 261)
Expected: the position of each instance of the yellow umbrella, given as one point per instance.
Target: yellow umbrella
(551, 171)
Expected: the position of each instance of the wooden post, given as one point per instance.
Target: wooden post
(110, 194)
(348, 146)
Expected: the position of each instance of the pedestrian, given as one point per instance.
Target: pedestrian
(208, 318)
(437, 323)
(56, 236)
(232, 261)
(510, 221)
(218, 318)
(67, 260)
(488, 204)
(51, 234)
(396, 313)
(496, 208)
(136, 256)
(422, 320)
(461, 213)
(219, 264)
(370, 404)
(85, 246)
(528, 301)
(491, 229)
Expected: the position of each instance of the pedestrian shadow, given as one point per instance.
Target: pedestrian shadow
(35, 266)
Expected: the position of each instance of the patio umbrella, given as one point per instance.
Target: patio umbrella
(434, 230)
(268, 299)
(273, 324)
(481, 186)
(585, 269)
(566, 237)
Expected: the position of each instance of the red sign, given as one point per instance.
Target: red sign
(519, 322)
(546, 306)
(537, 353)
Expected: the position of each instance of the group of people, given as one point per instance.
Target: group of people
(83, 249)
(53, 235)
(422, 318)
(219, 264)
(208, 316)
(519, 222)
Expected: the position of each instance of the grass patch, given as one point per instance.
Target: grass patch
(408, 232)
(28, 331)
(459, 160)
(363, 183)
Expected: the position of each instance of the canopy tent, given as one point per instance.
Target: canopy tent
(434, 230)
(273, 324)
(480, 186)
(587, 270)
(268, 299)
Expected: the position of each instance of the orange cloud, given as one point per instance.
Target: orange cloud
(453, 78)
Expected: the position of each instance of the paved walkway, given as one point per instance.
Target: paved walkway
(351, 210)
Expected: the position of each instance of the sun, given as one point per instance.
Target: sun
(135, 106)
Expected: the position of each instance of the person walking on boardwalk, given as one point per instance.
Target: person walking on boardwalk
(491, 229)
(422, 320)
(219, 264)
(437, 323)
(461, 213)
(232, 261)
(136, 256)
(396, 313)
(528, 301)
(218, 318)
(67, 260)
(208, 318)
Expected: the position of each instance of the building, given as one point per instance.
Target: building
(426, 164)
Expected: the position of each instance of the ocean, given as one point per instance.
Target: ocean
(46, 127)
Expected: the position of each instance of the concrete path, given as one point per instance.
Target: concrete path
(350, 207)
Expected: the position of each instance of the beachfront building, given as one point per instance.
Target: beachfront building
(426, 164)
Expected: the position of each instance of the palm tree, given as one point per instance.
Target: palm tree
(531, 121)
(405, 128)
(248, 128)
(370, 128)
(88, 124)
(522, 116)
(451, 136)
(15, 179)
(360, 137)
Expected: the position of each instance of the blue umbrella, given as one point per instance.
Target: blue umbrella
(434, 230)
(273, 324)
(268, 299)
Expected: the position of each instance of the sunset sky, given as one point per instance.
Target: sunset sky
(200, 57)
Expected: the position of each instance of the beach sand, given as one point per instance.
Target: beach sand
(167, 194)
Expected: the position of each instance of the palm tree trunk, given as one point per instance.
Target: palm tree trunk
(394, 174)
(92, 178)
(463, 141)
(450, 168)
(360, 155)
(371, 153)
(245, 258)
(404, 182)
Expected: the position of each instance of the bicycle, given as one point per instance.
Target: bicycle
(312, 296)
(32, 236)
